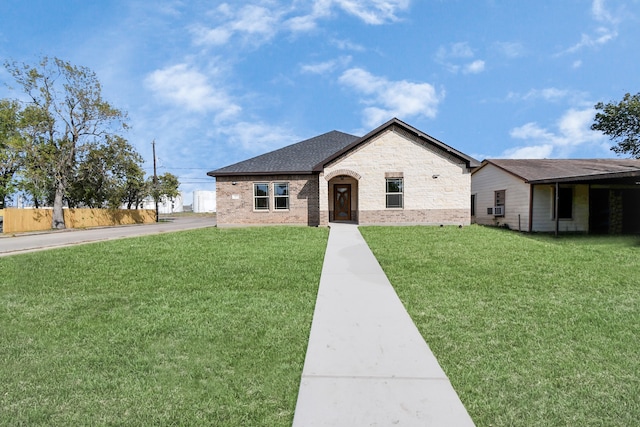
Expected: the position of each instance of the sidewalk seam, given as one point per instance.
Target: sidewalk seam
(375, 377)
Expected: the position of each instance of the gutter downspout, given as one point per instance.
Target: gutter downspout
(531, 208)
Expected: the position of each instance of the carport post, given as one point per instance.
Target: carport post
(555, 208)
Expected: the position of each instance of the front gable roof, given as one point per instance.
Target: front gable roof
(543, 171)
(311, 155)
(403, 128)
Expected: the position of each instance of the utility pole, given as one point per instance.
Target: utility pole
(155, 180)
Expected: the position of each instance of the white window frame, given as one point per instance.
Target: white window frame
(394, 193)
(256, 197)
(277, 197)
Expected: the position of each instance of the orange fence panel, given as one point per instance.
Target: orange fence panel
(20, 220)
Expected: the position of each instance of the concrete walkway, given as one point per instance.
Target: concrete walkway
(366, 363)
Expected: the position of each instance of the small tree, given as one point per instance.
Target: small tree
(621, 122)
(136, 189)
(36, 175)
(167, 186)
(127, 174)
(67, 115)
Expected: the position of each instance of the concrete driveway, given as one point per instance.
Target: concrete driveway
(11, 244)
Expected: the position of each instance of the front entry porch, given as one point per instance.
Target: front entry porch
(343, 199)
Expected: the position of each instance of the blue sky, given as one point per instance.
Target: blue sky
(215, 82)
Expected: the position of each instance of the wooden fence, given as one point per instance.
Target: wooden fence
(19, 220)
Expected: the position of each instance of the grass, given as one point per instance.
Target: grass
(205, 327)
(531, 330)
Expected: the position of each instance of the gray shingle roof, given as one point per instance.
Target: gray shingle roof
(311, 155)
(540, 171)
(297, 158)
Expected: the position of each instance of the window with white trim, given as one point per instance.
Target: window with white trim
(281, 195)
(500, 197)
(394, 193)
(261, 196)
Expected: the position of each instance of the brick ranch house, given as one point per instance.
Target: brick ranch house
(597, 196)
(395, 174)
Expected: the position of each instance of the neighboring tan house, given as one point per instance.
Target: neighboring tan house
(599, 196)
(394, 174)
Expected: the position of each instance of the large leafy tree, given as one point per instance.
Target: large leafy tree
(621, 122)
(11, 147)
(67, 116)
(106, 174)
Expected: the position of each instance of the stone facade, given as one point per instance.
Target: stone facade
(235, 201)
(615, 212)
(437, 185)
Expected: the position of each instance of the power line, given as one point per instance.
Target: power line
(169, 167)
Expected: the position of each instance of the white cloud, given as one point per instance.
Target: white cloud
(259, 23)
(531, 131)
(348, 45)
(373, 12)
(387, 99)
(301, 23)
(451, 56)
(510, 49)
(190, 89)
(258, 137)
(602, 37)
(307, 22)
(318, 68)
(601, 13)
(573, 130)
(533, 152)
(252, 22)
(213, 36)
(454, 50)
(551, 94)
(257, 20)
(474, 67)
(547, 94)
(326, 66)
(575, 127)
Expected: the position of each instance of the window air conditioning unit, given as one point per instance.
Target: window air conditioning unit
(498, 211)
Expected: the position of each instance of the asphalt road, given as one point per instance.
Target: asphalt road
(11, 244)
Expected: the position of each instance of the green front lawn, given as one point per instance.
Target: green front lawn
(205, 327)
(532, 330)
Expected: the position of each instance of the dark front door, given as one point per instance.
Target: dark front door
(342, 202)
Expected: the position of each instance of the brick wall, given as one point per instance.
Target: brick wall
(424, 216)
(235, 203)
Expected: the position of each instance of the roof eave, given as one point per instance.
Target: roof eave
(489, 162)
(582, 178)
(259, 173)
